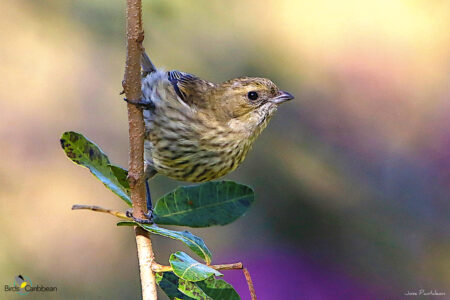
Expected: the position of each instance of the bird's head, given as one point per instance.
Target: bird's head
(248, 101)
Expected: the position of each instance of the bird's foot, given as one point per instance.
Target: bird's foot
(148, 220)
(143, 104)
(149, 214)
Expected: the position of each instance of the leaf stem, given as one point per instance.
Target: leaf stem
(115, 213)
(251, 288)
(234, 266)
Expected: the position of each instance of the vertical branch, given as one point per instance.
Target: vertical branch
(132, 88)
(249, 283)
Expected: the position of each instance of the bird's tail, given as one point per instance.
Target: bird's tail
(147, 65)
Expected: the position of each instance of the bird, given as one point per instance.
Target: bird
(197, 130)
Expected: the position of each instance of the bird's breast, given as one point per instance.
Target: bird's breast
(185, 144)
(189, 149)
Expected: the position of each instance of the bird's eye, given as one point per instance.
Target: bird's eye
(252, 95)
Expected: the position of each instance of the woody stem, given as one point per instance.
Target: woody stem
(132, 88)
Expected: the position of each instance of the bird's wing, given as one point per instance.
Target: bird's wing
(147, 65)
(189, 88)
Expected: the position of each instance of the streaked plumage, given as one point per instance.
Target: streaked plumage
(197, 130)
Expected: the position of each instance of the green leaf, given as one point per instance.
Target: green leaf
(196, 244)
(126, 223)
(203, 205)
(189, 269)
(218, 289)
(87, 154)
(169, 282)
(121, 176)
(191, 289)
(209, 289)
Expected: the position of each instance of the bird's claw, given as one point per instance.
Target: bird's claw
(149, 216)
(143, 104)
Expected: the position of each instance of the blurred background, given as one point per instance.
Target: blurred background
(352, 178)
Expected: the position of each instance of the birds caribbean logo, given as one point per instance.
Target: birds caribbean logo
(22, 282)
(197, 130)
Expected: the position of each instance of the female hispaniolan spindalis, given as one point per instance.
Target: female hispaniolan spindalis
(197, 130)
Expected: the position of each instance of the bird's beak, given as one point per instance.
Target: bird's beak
(282, 97)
